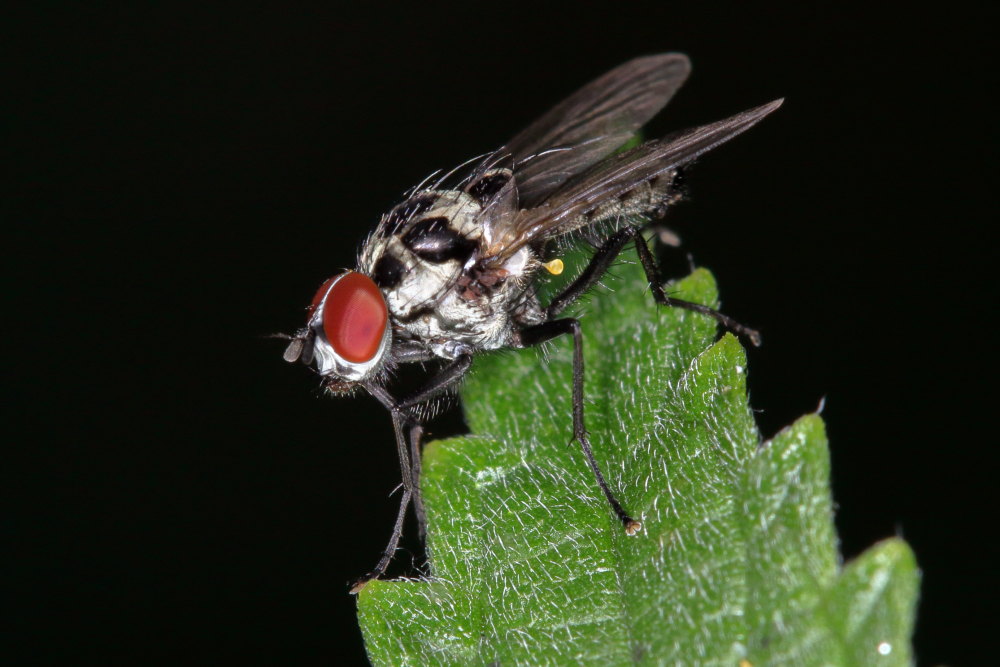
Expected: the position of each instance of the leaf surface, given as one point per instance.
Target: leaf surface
(736, 563)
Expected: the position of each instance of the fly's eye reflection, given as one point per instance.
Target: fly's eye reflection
(451, 271)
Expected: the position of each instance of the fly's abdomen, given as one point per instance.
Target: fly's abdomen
(647, 201)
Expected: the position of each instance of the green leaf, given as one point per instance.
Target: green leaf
(736, 563)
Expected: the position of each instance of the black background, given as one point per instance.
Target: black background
(185, 178)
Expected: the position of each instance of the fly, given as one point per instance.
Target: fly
(450, 272)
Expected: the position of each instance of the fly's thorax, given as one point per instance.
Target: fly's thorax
(420, 248)
(424, 257)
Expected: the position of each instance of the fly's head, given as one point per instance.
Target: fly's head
(347, 332)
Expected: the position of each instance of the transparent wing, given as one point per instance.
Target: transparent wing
(592, 122)
(565, 210)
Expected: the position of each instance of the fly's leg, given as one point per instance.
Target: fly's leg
(390, 549)
(605, 257)
(414, 436)
(438, 383)
(404, 503)
(653, 276)
(444, 379)
(540, 333)
(408, 432)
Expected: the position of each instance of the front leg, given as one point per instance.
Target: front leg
(408, 493)
(437, 384)
(440, 382)
(404, 450)
(546, 331)
(408, 432)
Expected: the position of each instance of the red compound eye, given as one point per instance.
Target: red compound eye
(354, 317)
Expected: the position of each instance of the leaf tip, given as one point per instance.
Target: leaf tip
(893, 554)
(810, 427)
(698, 286)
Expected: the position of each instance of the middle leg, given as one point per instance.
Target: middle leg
(540, 333)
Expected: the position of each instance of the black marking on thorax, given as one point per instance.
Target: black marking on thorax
(406, 211)
(388, 271)
(487, 187)
(432, 239)
(414, 315)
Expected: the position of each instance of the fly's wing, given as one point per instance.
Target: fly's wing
(592, 122)
(574, 135)
(566, 209)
